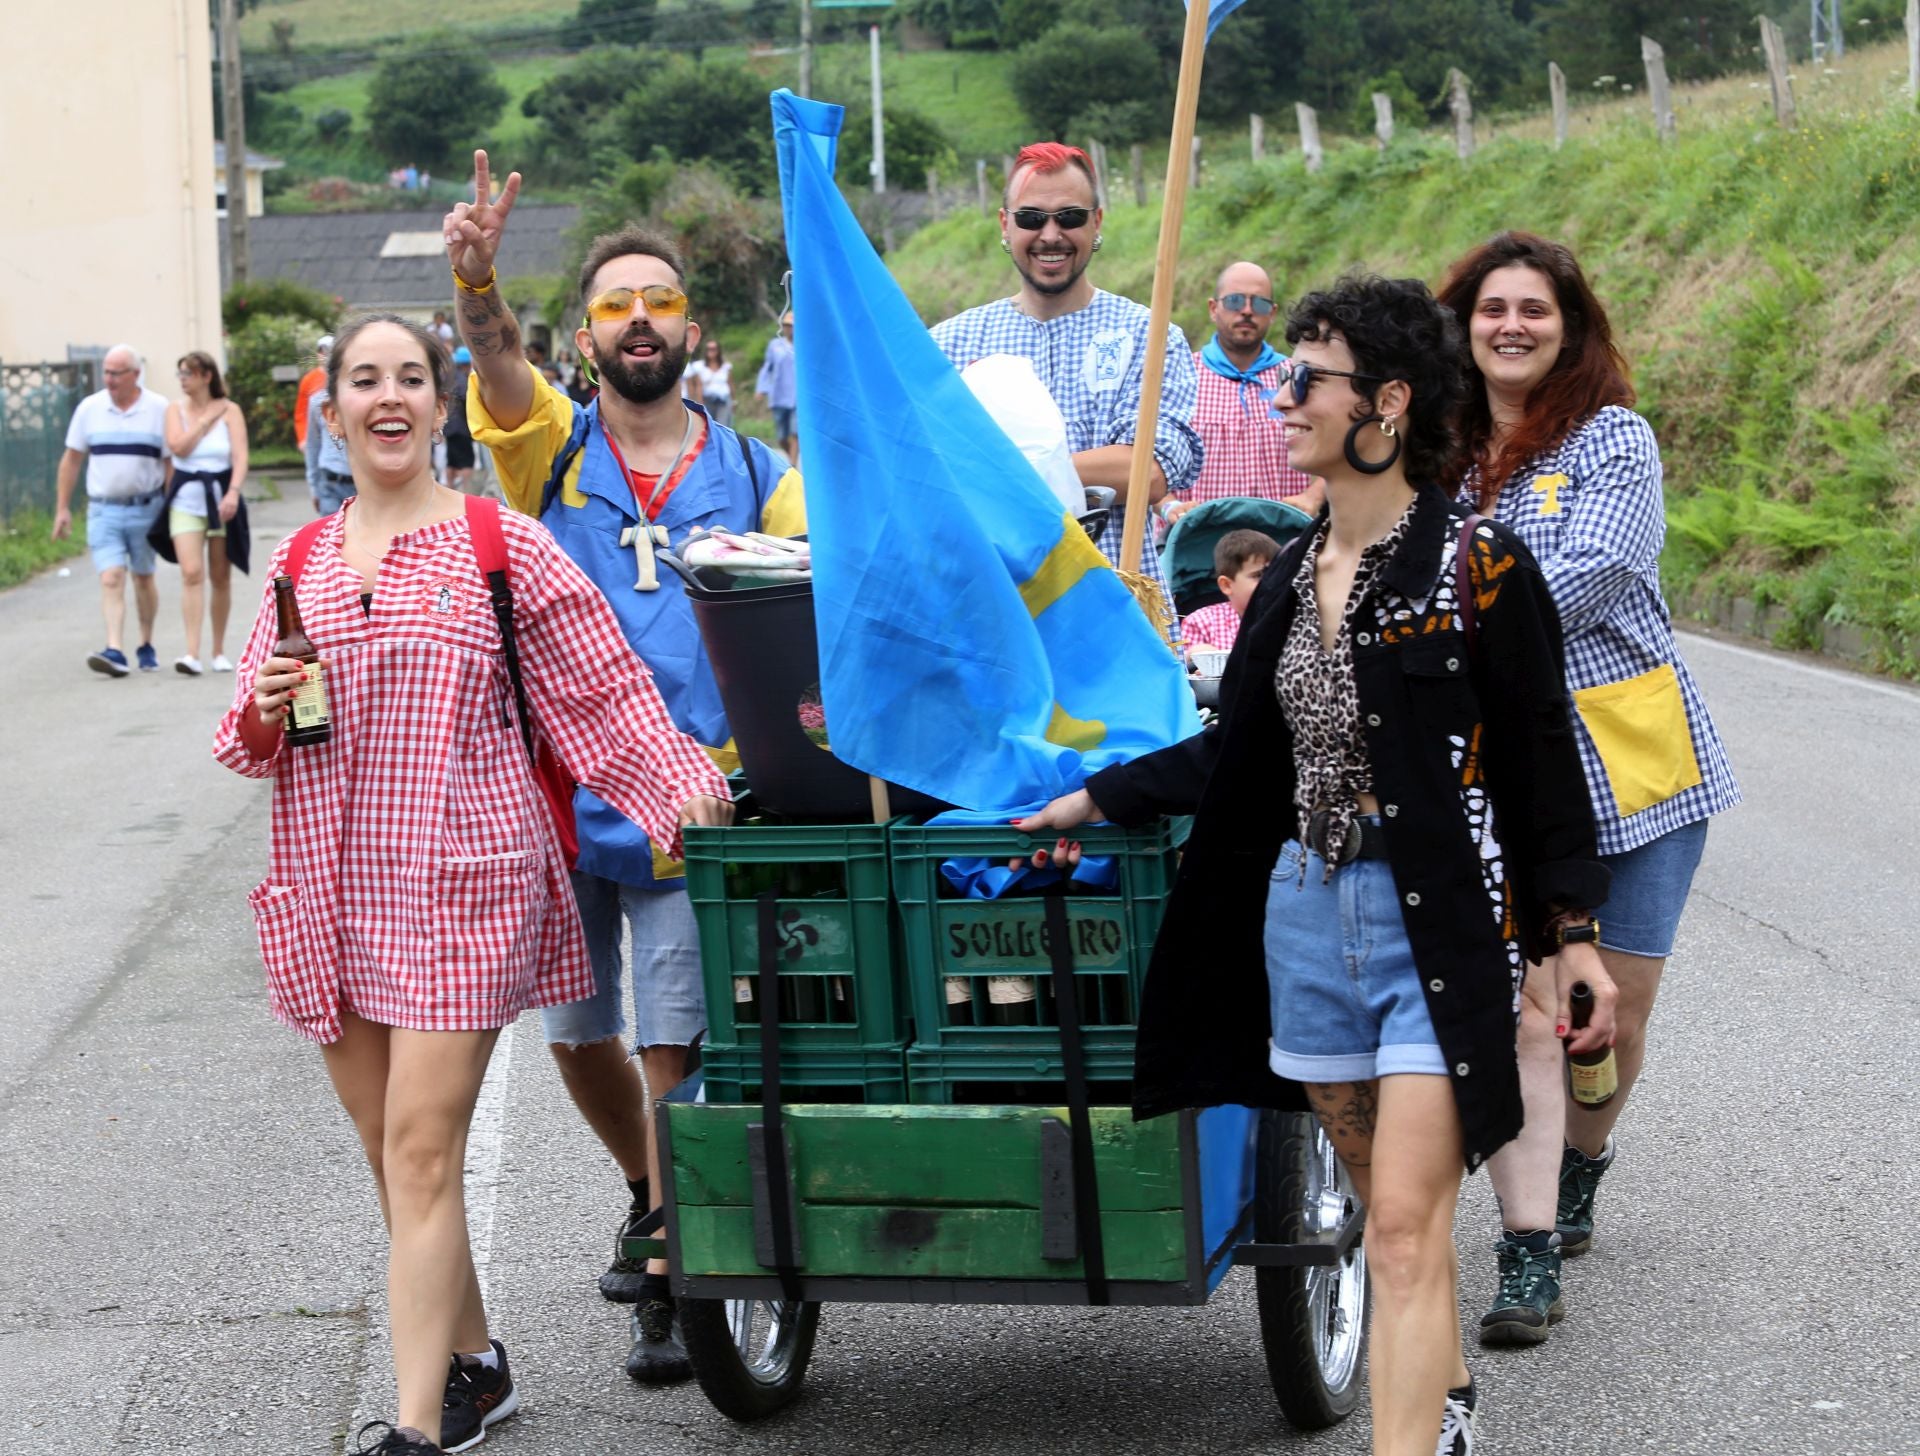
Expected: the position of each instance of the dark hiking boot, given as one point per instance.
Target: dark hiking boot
(1579, 1181)
(1528, 1303)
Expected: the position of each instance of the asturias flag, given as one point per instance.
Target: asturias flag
(974, 644)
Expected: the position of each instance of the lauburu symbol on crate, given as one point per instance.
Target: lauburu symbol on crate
(796, 935)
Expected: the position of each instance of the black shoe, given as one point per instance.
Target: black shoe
(1528, 1303)
(1456, 1424)
(621, 1282)
(477, 1396)
(1579, 1180)
(398, 1441)
(656, 1356)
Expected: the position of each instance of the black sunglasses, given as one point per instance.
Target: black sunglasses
(1299, 378)
(1234, 302)
(1032, 219)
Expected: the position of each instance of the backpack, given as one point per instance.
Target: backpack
(490, 550)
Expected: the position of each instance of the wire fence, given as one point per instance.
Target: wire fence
(36, 402)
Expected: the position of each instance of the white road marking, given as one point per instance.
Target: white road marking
(486, 1147)
(1910, 696)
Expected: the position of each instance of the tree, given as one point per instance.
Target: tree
(1022, 21)
(693, 27)
(1049, 75)
(614, 22)
(692, 110)
(574, 108)
(914, 144)
(434, 94)
(967, 19)
(1602, 37)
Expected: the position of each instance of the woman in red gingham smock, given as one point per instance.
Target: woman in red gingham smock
(416, 897)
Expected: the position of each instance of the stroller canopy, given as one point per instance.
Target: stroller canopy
(1187, 555)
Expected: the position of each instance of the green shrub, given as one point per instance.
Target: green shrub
(277, 298)
(437, 91)
(1050, 74)
(253, 351)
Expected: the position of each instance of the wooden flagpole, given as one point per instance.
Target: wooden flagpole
(1173, 206)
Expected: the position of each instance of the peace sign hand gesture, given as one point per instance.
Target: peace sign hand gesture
(473, 229)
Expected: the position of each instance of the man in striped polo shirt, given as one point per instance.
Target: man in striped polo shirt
(119, 434)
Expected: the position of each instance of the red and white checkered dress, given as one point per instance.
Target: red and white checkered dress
(1246, 446)
(414, 877)
(1217, 626)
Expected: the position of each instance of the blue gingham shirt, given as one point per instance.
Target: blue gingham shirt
(1092, 362)
(1593, 513)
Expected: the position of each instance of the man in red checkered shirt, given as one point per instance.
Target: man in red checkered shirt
(1246, 449)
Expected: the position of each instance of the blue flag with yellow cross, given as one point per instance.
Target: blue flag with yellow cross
(974, 643)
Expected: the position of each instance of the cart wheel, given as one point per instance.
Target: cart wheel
(749, 1355)
(1313, 1318)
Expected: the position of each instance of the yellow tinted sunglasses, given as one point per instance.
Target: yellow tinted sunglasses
(663, 300)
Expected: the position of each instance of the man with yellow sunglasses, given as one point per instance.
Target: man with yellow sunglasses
(635, 471)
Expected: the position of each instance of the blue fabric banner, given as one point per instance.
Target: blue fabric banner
(974, 644)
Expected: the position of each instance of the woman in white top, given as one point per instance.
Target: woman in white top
(207, 435)
(709, 379)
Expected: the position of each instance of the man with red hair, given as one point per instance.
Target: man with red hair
(1088, 346)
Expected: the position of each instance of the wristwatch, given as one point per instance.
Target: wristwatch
(1584, 932)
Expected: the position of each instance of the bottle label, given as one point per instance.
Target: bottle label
(1594, 1084)
(309, 708)
(742, 990)
(959, 991)
(1009, 990)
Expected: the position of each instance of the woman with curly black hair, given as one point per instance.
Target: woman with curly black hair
(1388, 822)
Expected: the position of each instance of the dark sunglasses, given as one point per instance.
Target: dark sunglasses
(1032, 219)
(1299, 378)
(1234, 302)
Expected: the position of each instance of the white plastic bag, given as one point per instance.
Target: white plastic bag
(1020, 405)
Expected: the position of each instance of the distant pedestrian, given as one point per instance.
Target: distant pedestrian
(709, 380)
(442, 330)
(119, 434)
(1239, 372)
(207, 437)
(329, 478)
(311, 383)
(459, 437)
(778, 384)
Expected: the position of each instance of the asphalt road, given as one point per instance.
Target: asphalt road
(192, 1258)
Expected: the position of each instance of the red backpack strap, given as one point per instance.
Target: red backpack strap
(489, 544)
(490, 549)
(300, 547)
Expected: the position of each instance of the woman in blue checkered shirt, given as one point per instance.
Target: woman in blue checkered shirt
(1559, 456)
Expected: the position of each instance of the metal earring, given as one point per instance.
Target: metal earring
(438, 437)
(1386, 427)
(1005, 246)
(1098, 239)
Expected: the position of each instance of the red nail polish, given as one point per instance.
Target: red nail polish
(1560, 1028)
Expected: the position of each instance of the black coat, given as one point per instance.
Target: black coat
(1424, 693)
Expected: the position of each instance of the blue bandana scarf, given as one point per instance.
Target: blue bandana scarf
(1215, 358)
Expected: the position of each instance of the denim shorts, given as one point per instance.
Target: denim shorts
(1650, 887)
(1346, 996)
(117, 533)
(783, 422)
(669, 1007)
(333, 491)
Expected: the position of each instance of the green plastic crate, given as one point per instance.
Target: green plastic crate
(812, 1074)
(840, 984)
(987, 1074)
(973, 956)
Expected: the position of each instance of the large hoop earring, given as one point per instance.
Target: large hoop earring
(1372, 467)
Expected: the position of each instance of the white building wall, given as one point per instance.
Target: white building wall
(106, 113)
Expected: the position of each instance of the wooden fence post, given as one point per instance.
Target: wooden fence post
(1913, 49)
(1257, 134)
(1557, 86)
(1383, 119)
(1098, 154)
(1006, 167)
(1137, 164)
(980, 184)
(1775, 45)
(1656, 62)
(934, 208)
(1461, 102)
(1309, 134)
(1194, 170)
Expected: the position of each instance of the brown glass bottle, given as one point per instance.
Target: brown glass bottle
(308, 720)
(1592, 1076)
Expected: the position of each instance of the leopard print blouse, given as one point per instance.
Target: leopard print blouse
(1316, 690)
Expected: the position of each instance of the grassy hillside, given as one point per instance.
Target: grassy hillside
(1766, 287)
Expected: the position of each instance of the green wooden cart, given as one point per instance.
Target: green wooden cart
(775, 1205)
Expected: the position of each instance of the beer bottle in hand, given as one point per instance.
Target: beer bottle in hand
(307, 718)
(1593, 1076)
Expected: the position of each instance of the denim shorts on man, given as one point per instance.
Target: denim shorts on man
(783, 422)
(1649, 892)
(1346, 996)
(331, 491)
(117, 533)
(669, 1007)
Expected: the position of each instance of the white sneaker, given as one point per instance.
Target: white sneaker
(220, 663)
(189, 666)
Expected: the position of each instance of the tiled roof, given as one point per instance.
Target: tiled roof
(341, 253)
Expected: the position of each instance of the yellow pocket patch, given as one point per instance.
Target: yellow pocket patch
(1548, 488)
(1640, 728)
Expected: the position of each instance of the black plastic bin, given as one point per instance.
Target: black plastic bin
(766, 663)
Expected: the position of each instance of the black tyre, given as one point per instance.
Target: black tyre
(1313, 1318)
(749, 1355)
